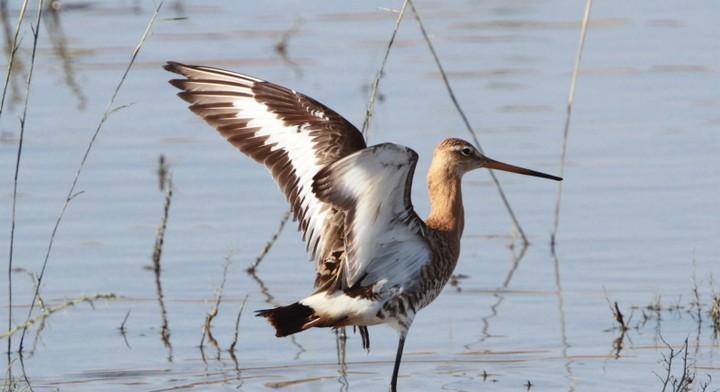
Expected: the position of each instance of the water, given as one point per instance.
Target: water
(639, 212)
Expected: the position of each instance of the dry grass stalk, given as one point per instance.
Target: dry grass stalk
(684, 382)
(49, 310)
(71, 192)
(465, 120)
(566, 129)
(214, 310)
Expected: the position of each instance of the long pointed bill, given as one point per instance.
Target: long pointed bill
(493, 164)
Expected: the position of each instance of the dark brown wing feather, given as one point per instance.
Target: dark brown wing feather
(293, 135)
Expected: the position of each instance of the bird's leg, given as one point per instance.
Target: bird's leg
(398, 357)
(365, 335)
(340, 340)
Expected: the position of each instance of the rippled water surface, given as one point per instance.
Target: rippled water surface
(639, 214)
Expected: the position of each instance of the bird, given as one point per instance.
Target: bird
(376, 261)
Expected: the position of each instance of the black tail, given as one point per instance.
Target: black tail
(290, 319)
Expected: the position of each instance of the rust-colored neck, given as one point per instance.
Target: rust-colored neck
(447, 215)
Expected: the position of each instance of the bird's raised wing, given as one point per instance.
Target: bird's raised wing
(383, 235)
(293, 135)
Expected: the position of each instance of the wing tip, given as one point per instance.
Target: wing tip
(174, 67)
(178, 83)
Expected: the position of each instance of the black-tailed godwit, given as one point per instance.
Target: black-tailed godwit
(376, 260)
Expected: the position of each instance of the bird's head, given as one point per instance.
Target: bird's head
(459, 157)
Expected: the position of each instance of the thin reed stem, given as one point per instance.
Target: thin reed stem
(568, 114)
(71, 192)
(36, 32)
(380, 73)
(469, 127)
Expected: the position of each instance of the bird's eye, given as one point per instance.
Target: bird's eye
(466, 151)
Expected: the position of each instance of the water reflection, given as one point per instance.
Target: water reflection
(498, 294)
(167, 191)
(58, 41)
(270, 299)
(563, 326)
(281, 47)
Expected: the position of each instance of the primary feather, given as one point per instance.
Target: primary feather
(293, 135)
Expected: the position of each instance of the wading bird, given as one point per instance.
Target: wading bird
(376, 261)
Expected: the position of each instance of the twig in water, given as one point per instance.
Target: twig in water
(470, 129)
(231, 349)
(36, 33)
(156, 256)
(71, 192)
(619, 317)
(380, 73)
(163, 169)
(167, 188)
(684, 383)
(123, 330)
(207, 326)
(266, 249)
(619, 342)
(566, 129)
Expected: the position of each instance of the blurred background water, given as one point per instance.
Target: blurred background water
(639, 213)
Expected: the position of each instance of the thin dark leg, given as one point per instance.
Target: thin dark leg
(365, 335)
(398, 357)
